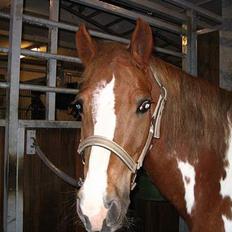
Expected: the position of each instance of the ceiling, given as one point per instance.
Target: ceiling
(76, 12)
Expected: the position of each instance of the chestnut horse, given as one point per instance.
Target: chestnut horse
(126, 96)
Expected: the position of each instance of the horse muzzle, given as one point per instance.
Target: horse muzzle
(108, 218)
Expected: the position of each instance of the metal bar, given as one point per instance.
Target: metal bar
(193, 41)
(4, 85)
(52, 63)
(44, 124)
(48, 89)
(77, 60)
(4, 15)
(198, 9)
(4, 50)
(202, 2)
(156, 7)
(95, 13)
(190, 59)
(89, 20)
(169, 52)
(199, 3)
(41, 88)
(19, 190)
(182, 225)
(205, 25)
(49, 23)
(168, 41)
(127, 32)
(113, 22)
(64, 26)
(207, 30)
(45, 55)
(49, 124)
(12, 179)
(2, 122)
(116, 10)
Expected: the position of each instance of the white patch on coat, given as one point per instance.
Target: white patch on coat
(188, 177)
(226, 184)
(95, 185)
(227, 224)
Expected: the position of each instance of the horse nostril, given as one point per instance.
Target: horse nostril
(114, 212)
(84, 218)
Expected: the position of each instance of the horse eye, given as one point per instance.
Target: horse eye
(144, 106)
(77, 109)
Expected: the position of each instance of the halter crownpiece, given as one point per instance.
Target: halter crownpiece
(96, 140)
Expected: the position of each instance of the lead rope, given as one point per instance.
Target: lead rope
(65, 177)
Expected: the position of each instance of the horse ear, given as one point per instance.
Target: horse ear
(141, 43)
(86, 46)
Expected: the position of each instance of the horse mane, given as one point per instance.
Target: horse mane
(196, 112)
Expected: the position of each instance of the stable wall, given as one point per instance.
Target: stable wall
(49, 203)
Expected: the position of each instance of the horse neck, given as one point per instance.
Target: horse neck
(194, 132)
(194, 110)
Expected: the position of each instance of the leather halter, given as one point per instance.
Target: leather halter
(100, 141)
(112, 146)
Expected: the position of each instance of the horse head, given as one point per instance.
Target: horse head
(117, 101)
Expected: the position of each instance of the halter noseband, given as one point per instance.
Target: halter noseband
(100, 141)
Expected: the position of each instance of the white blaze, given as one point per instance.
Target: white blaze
(188, 177)
(226, 184)
(94, 188)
